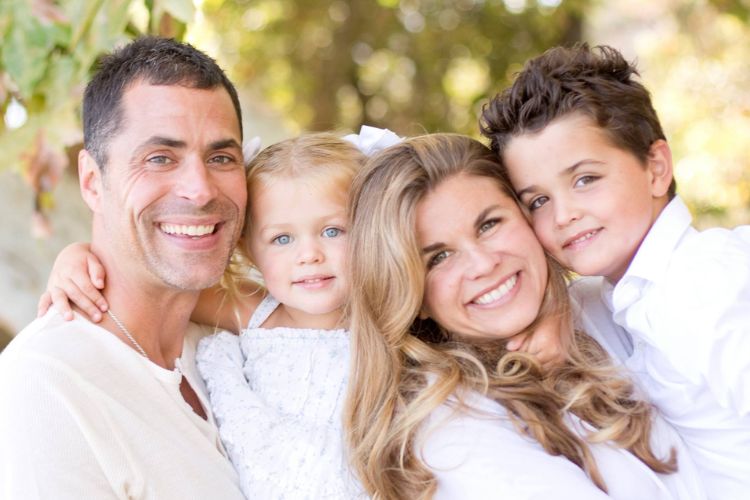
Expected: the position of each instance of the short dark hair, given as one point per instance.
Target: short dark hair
(158, 61)
(598, 83)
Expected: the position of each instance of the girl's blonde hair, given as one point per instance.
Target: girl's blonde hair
(393, 350)
(323, 159)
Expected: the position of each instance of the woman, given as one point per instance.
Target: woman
(445, 270)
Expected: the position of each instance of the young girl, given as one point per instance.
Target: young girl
(277, 389)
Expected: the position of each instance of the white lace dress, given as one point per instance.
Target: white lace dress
(278, 395)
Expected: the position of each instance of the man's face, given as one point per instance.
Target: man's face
(174, 193)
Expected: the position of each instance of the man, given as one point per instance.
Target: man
(117, 410)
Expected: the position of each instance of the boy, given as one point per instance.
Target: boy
(588, 158)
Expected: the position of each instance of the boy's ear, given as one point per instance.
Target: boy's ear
(89, 180)
(660, 167)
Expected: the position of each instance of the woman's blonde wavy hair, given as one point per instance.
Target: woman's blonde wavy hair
(393, 350)
(321, 159)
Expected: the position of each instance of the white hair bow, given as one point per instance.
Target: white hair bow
(250, 149)
(371, 140)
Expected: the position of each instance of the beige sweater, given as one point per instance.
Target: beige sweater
(82, 415)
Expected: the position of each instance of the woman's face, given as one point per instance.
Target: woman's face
(486, 271)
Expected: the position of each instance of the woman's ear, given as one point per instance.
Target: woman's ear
(659, 164)
(89, 180)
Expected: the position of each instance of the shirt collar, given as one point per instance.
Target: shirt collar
(657, 247)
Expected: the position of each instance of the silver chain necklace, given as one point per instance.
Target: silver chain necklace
(127, 334)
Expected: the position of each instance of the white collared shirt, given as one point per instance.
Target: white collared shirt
(685, 299)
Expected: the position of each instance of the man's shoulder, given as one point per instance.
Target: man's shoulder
(53, 340)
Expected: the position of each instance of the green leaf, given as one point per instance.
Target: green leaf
(25, 50)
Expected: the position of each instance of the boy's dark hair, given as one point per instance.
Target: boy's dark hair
(598, 82)
(158, 61)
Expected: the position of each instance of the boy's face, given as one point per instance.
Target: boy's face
(591, 202)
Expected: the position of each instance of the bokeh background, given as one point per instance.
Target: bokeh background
(413, 66)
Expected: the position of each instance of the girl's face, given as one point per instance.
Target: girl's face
(486, 271)
(297, 240)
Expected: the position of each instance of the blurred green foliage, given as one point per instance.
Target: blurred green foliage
(47, 51)
(411, 65)
(693, 57)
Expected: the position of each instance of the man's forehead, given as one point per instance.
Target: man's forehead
(150, 108)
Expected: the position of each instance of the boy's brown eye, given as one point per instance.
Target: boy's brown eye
(537, 202)
(585, 180)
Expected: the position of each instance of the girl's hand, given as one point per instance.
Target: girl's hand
(544, 343)
(77, 276)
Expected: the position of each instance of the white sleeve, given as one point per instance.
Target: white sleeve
(702, 313)
(44, 451)
(482, 458)
(273, 453)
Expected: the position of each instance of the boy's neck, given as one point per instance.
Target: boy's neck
(658, 206)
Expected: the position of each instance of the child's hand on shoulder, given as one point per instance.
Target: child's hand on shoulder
(77, 277)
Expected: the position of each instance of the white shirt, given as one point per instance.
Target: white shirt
(685, 299)
(480, 455)
(278, 396)
(83, 415)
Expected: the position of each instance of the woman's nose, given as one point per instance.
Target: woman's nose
(479, 261)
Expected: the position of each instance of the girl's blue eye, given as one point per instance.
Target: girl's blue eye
(332, 232)
(282, 239)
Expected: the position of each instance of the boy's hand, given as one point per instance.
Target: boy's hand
(77, 276)
(544, 343)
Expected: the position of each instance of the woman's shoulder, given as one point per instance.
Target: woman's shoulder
(475, 450)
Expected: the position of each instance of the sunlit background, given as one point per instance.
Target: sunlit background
(413, 66)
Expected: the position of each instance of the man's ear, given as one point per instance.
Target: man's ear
(659, 164)
(89, 180)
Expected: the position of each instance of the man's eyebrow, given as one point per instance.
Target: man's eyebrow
(224, 143)
(566, 171)
(157, 140)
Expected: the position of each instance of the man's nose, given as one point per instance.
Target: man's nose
(196, 182)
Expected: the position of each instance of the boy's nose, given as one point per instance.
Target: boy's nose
(565, 213)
